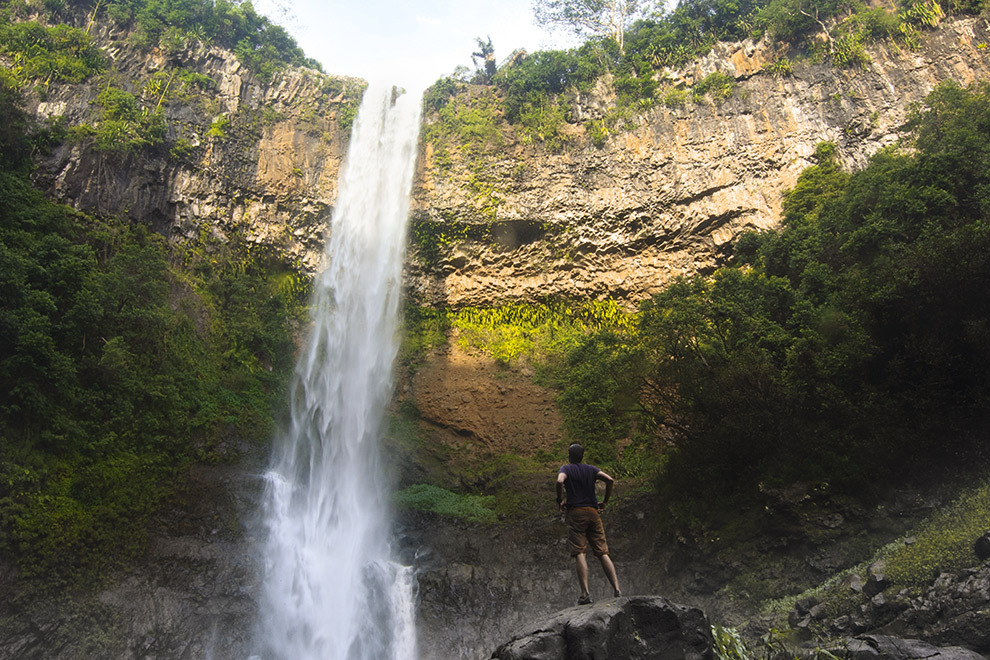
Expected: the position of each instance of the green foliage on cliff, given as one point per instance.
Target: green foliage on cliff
(123, 126)
(842, 350)
(582, 349)
(535, 331)
(598, 406)
(118, 366)
(261, 46)
(717, 86)
(467, 124)
(538, 90)
(48, 54)
(433, 499)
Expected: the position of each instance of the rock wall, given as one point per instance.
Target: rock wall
(662, 199)
(667, 197)
(267, 171)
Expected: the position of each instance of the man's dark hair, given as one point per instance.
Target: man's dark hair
(575, 453)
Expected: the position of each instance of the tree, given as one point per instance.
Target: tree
(603, 18)
(484, 61)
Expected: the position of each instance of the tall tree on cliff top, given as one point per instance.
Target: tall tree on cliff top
(603, 18)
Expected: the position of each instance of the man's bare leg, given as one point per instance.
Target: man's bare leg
(609, 569)
(582, 573)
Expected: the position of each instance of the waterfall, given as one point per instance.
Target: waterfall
(331, 590)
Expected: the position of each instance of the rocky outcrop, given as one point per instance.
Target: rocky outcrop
(638, 628)
(668, 196)
(883, 647)
(953, 610)
(258, 158)
(651, 627)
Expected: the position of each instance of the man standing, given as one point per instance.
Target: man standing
(584, 524)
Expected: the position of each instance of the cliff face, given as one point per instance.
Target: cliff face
(667, 197)
(259, 158)
(662, 199)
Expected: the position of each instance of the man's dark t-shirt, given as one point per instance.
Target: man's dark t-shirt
(580, 484)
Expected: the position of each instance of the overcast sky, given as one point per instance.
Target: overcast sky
(408, 43)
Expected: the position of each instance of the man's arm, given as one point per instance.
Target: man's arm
(560, 489)
(609, 482)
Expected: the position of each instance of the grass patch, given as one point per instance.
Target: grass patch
(943, 542)
(443, 502)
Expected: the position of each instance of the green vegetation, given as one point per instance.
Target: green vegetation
(543, 121)
(261, 46)
(123, 127)
(583, 350)
(465, 124)
(728, 644)
(432, 239)
(841, 350)
(219, 127)
(535, 331)
(717, 86)
(119, 366)
(940, 543)
(943, 543)
(433, 499)
(48, 54)
(537, 90)
(514, 331)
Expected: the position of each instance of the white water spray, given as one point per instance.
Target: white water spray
(331, 589)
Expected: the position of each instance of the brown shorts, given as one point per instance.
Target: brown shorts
(584, 526)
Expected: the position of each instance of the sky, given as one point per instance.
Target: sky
(407, 43)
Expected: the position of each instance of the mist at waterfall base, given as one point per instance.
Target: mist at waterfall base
(331, 589)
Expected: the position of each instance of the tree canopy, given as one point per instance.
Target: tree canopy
(591, 18)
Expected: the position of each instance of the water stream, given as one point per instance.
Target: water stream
(331, 588)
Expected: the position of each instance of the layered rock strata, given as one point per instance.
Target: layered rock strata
(668, 197)
(258, 159)
(664, 198)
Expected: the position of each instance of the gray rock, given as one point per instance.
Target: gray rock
(954, 610)
(877, 580)
(982, 547)
(853, 582)
(636, 628)
(883, 647)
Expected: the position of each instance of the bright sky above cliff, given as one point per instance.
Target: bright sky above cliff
(411, 43)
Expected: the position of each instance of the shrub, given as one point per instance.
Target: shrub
(49, 54)
(218, 127)
(542, 121)
(717, 85)
(439, 93)
(433, 499)
(675, 97)
(780, 67)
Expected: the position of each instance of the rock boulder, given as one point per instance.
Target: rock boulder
(883, 647)
(636, 628)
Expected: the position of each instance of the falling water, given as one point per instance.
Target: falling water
(331, 590)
